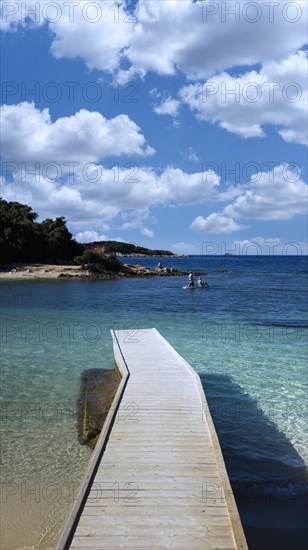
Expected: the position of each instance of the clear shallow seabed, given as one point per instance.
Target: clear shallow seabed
(246, 336)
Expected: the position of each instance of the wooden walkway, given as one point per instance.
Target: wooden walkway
(157, 479)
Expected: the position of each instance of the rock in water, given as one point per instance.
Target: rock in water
(97, 390)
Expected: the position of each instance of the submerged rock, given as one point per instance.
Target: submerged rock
(97, 390)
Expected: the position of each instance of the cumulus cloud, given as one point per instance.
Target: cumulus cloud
(279, 194)
(93, 236)
(277, 94)
(97, 36)
(89, 237)
(135, 218)
(215, 223)
(192, 38)
(50, 198)
(95, 199)
(96, 32)
(29, 134)
(147, 232)
(193, 41)
(168, 106)
(53, 166)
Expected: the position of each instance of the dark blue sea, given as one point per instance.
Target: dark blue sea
(246, 336)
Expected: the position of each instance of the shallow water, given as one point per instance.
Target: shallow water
(246, 336)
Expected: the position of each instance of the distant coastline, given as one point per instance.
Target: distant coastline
(135, 255)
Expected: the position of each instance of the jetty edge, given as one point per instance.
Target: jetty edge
(172, 452)
(64, 539)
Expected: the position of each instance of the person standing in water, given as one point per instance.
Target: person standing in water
(191, 279)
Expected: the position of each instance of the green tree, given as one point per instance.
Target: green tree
(22, 239)
(60, 245)
(17, 231)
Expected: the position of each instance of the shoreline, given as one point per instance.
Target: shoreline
(55, 272)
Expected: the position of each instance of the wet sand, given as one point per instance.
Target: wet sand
(33, 521)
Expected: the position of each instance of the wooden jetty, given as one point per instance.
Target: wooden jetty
(156, 479)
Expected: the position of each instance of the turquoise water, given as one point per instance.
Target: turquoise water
(246, 336)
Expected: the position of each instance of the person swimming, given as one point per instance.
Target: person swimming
(201, 282)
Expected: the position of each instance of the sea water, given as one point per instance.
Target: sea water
(246, 336)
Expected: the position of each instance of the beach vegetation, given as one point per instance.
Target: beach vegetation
(96, 261)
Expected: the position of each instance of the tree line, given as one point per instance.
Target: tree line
(23, 239)
(112, 247)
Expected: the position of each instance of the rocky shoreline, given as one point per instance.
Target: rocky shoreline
(44, 271)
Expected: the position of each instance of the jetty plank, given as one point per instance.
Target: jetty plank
(157, 478)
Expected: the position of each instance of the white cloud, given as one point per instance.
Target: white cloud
(30, 135)
(100, 43)
(95, 32)
(187, 188)
(279, 194)
(172, 187)
(192, 155)
(230, 193)
(168, 106)
(215, 223)
(194, 41)
(74, 185)
(89, 237)
(136, 218)
(147, 232)
(243, 105)
(190, 39)
(197, 45)
(96, 199)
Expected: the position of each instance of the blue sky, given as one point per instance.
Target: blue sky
(170, 124)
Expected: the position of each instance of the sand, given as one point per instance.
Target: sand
(44, 271)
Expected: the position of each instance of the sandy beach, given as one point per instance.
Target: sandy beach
(43, 271)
